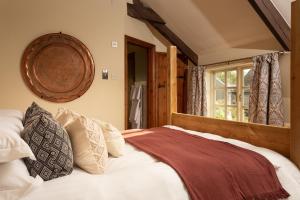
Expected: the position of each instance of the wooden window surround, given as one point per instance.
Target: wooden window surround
(231, 106)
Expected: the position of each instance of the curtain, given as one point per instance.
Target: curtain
(197, 104)
(265, 103)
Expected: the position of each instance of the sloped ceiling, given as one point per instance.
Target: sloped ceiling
(219, 30)
(284, 7)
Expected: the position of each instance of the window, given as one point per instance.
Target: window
(230, 93)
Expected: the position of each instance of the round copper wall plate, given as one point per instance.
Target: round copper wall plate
(58, 67)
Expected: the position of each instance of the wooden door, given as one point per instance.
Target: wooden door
(161, 77)
(181, 85)
(295, 77)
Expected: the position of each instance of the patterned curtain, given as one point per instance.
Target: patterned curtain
(197, 104)
(265, 104)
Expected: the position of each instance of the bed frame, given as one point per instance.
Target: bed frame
(283, 140)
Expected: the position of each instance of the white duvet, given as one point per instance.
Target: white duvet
(138, 176)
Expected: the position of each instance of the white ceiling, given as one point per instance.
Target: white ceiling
(219, 30)
(284, 7)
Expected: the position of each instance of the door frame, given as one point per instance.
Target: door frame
(151, 81)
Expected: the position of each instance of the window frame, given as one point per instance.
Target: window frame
(239, 67)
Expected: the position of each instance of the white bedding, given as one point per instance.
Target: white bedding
(137, 176)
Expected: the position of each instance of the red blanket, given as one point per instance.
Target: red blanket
(212, 170)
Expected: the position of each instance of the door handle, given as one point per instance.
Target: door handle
(161, 85)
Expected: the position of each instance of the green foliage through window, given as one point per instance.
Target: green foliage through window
(231, 92)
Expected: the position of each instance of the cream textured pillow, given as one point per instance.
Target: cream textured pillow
(65, 116)
(89, 148)
(113, 137)
(12, 146)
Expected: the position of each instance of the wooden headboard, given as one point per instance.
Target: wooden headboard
(277, 139)
(283, 140)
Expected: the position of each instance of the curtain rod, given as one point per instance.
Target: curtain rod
(240, 59)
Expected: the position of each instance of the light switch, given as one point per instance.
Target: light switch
(114, 44)
(105, 74)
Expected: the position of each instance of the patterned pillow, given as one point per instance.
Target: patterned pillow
(33, 111)
(51, 146)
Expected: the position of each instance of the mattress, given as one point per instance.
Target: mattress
(136, 176)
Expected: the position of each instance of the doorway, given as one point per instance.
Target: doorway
(140, 99)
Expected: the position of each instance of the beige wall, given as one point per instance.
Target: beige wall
(96, 23)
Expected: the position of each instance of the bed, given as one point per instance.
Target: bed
(136, 175)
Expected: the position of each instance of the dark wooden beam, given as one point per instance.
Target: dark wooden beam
(138, 11)
(147, 13)
(275, 22)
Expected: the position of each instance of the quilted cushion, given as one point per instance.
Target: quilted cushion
(51, 146)
(114, 140)
(33, 111)
(113, 137)
(65, 116)
(90, 152)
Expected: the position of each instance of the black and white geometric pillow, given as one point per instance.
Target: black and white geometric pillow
(33, 111)
(51, 146)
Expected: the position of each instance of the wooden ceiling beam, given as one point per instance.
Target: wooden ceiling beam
(147, 13)
(274, 21)
(139, 11)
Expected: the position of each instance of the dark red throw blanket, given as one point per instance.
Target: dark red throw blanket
(212, 170)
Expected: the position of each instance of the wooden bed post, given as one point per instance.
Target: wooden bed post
(172, 83)
(295, 83)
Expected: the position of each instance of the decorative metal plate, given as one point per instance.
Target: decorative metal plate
(58, 67)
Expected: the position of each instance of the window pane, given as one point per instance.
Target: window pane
(231, 97)
(231, 78)
(247, 77)
(220, 79)
(246, 95)
(245, 115)
(220, 112)
(220, 97)
(232, 113)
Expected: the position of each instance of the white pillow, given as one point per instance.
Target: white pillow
(11, 113)
(113, 137)
(15, 180)
(12, 146)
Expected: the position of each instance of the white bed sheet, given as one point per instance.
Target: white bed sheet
(138, 176)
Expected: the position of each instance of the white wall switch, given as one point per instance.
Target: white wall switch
(114, 44)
